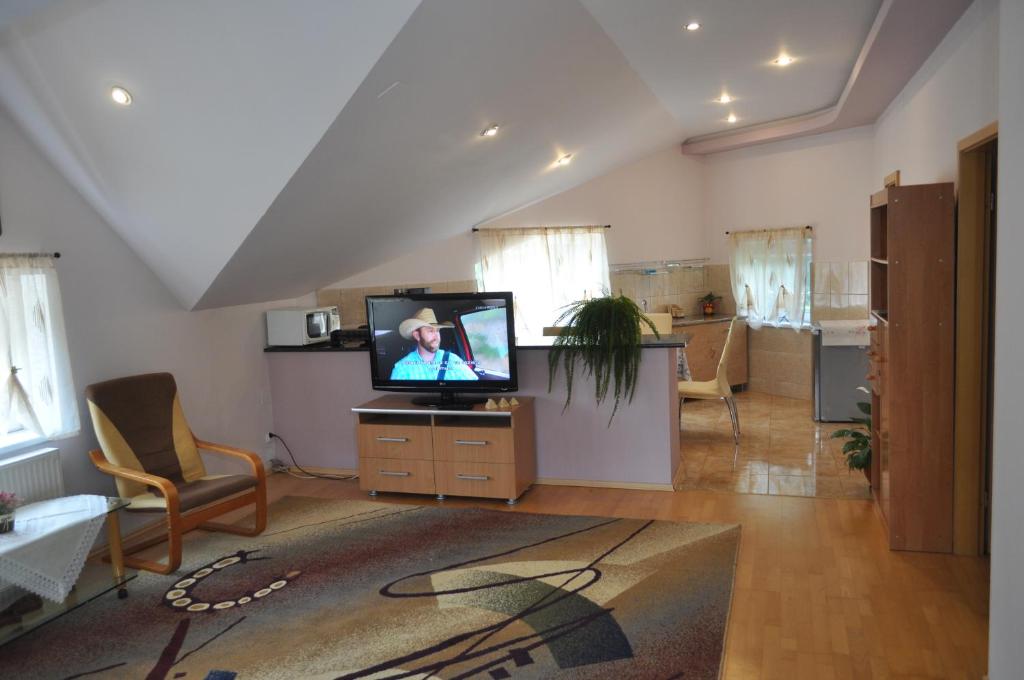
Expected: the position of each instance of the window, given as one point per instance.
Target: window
(771, 275)
(547, 268)
(37, 398)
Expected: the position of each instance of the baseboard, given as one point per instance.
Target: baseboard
(601, 484)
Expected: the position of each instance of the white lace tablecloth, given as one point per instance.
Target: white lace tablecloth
(51, 539)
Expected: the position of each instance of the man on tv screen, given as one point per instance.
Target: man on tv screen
(427, 362)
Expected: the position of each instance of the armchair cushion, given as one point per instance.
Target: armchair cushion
(194, 494)
(140, 425)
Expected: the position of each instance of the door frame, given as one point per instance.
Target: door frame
(975, 234)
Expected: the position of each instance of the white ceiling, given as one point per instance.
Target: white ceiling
(261, 160)
(396, 172)
(230, 97)
(732, 53)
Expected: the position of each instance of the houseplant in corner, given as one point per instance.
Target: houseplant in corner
(604, 334)
(857, 448)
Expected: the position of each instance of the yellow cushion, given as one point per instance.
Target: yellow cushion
(707, 389)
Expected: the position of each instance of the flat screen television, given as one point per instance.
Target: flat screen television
(450, 345)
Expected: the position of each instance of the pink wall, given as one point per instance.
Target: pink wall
(313, 393)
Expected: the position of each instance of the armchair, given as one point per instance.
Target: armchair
(149, 449)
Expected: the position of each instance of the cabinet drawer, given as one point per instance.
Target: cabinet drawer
(488, 480)
(390, 474)
(474, 444)
(381, 440)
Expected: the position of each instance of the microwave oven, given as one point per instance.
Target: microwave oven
(297, 327)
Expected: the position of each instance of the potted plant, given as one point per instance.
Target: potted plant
(708, 303)
(604, 334)
(8, 502)
(857, 448)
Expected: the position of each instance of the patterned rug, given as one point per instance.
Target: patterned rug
(357, 589)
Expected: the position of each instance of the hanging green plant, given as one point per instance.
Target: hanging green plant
(604, 334)
(858, 447)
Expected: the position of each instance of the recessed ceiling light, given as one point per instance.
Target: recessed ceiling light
(564, 160)
(120, 95)
(724, 99)
(732, 118)
(783, 60)
(692, 26)
(489, 131)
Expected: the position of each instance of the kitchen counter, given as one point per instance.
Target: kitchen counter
(696, 320)
(648, 342)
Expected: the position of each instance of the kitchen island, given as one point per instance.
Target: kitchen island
(313, 390)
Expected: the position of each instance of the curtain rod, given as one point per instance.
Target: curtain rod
(54, 255)
(750, 231)
(582, 226)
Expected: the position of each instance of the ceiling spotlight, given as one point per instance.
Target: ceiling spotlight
(120, 95)
(724, 99)
(732, 118)
(490, 131)
(783, 60)
(564, 160)
(692, 26)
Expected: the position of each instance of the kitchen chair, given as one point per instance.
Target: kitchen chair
(154, 457)
(715, 389)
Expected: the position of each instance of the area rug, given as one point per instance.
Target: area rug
(358, 589)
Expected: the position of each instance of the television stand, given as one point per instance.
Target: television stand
(408, 448)
(448, 401)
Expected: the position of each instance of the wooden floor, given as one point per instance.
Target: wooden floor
(818, 595)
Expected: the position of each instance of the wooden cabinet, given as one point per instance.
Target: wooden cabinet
(415, 449)
(705, 349)
(913, 246)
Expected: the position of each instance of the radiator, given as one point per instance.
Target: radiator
(33, 476)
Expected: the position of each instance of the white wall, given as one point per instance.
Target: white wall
(1006, 612)
(654, 206)
(121, 320)
(823, 181)
(954, 94)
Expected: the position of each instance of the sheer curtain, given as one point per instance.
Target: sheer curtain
(770, 271)
(546, 268)
(37, 392)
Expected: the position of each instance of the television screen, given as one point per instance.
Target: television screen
(456, 342)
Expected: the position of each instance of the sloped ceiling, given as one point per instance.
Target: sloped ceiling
(229, 98)
(275, 147)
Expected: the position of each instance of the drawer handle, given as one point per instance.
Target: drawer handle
(472, 478)
(397, 440)
(471, 442)
(388, 473)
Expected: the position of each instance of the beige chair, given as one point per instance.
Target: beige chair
(154, 457)
(715, 389)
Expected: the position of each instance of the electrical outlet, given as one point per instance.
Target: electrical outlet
(268, 437)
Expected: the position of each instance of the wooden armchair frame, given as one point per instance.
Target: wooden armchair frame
(178, 523)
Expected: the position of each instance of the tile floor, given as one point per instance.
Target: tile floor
(782, 451)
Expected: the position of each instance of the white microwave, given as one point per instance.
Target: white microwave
(297, 327)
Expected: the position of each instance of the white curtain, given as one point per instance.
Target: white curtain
(37, 391)
(769, 270)
(546, 268)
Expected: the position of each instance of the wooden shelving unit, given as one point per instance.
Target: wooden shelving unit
(912, 363)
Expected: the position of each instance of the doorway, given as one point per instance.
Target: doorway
(975, 318)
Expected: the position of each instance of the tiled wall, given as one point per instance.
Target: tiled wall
(352, 304)
(840, 290)
(780, 362)
(682, 287)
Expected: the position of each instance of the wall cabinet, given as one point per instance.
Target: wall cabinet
(704, 349)
(406, 448)
(913, 245)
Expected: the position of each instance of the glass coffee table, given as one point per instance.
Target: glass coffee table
(41, 521)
